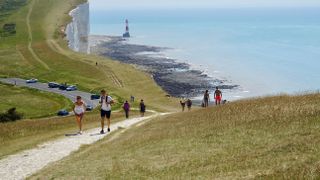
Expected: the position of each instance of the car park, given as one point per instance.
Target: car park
(32, 80)
(95, 96)
(63, 112)
(63, 86)
(71, 88)
(53, 85)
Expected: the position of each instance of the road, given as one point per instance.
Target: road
(44, 87)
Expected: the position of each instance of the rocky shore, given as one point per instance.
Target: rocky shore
(177, 79)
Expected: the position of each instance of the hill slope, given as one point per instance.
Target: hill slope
(274, 137)
(39, 50)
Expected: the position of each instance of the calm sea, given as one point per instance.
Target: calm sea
(265, 51)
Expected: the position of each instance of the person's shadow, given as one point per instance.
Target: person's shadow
(97, 134)
(71, 134)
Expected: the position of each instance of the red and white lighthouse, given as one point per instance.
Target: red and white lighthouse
(127, 34)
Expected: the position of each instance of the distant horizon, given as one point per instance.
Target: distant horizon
(200, 4)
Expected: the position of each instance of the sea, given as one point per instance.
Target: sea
(266, 51)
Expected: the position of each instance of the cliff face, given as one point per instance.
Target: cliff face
(77, 32)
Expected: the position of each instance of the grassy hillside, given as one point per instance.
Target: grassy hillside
(39, 50)
(32, 103)
(274, 137)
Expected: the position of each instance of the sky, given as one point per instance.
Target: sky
(156, 4)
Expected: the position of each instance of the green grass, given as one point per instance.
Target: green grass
(25, 134)
(55, 62)
(32, 103)
(267, 138)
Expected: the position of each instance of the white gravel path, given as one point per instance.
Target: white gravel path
(26, 163)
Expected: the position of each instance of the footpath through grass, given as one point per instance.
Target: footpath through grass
(26, 134)
(32, 103)
(274, 137)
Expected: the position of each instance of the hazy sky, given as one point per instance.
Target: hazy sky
(125, 4)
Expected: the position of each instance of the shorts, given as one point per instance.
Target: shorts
(218, 98)
(105, 113)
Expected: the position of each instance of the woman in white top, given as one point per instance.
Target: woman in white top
(79, 110)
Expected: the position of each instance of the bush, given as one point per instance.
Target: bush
(10, 115)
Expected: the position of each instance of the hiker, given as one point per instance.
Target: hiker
(106, 103)
(79, 109)
(126, 108)
(183, 104)
(189, 104)
(142, 108)
(206, 98)
(132, 98)
(218, 96)
(96, 63)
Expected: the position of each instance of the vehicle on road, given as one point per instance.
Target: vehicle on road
(63, 86)
(89, 108)
(63, 112)
(71, 88)
(95, 96)
(33, 80)
(53, 85)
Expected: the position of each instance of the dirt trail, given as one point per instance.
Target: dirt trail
(34, 55)
(26, 163)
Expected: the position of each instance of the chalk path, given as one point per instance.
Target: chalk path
(26, 163)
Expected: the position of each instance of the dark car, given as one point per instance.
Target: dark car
(71, 88)
(95, 96)
(63, 112)
(63, 86)
(53, 85)
(89, 108)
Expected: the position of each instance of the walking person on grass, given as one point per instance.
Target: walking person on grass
(142, 108)
(206, 98)
(106, 103)
(189, 104)
(218, 96)
(126, 108)
(183, 104)
(79, 109)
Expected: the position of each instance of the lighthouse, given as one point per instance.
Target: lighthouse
(127, 34)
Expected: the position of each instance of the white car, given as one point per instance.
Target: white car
(71, 88)
(32, 80)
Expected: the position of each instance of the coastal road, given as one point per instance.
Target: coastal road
(86, 97)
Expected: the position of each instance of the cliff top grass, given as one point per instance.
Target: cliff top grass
(39, 50)
(266, 138)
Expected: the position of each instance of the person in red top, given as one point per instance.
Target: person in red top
(218, 96)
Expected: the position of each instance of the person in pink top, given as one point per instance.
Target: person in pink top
(79, 110)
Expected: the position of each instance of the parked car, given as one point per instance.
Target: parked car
(95, 96)
(63, 86)
(32, 80)
(63, 112)
(71, 88)
(89, 108)
(53, 85)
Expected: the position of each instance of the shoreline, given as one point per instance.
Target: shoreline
(178, 79)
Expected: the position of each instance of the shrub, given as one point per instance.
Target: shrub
(10, 115)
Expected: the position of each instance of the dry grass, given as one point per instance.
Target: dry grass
(271, 138)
